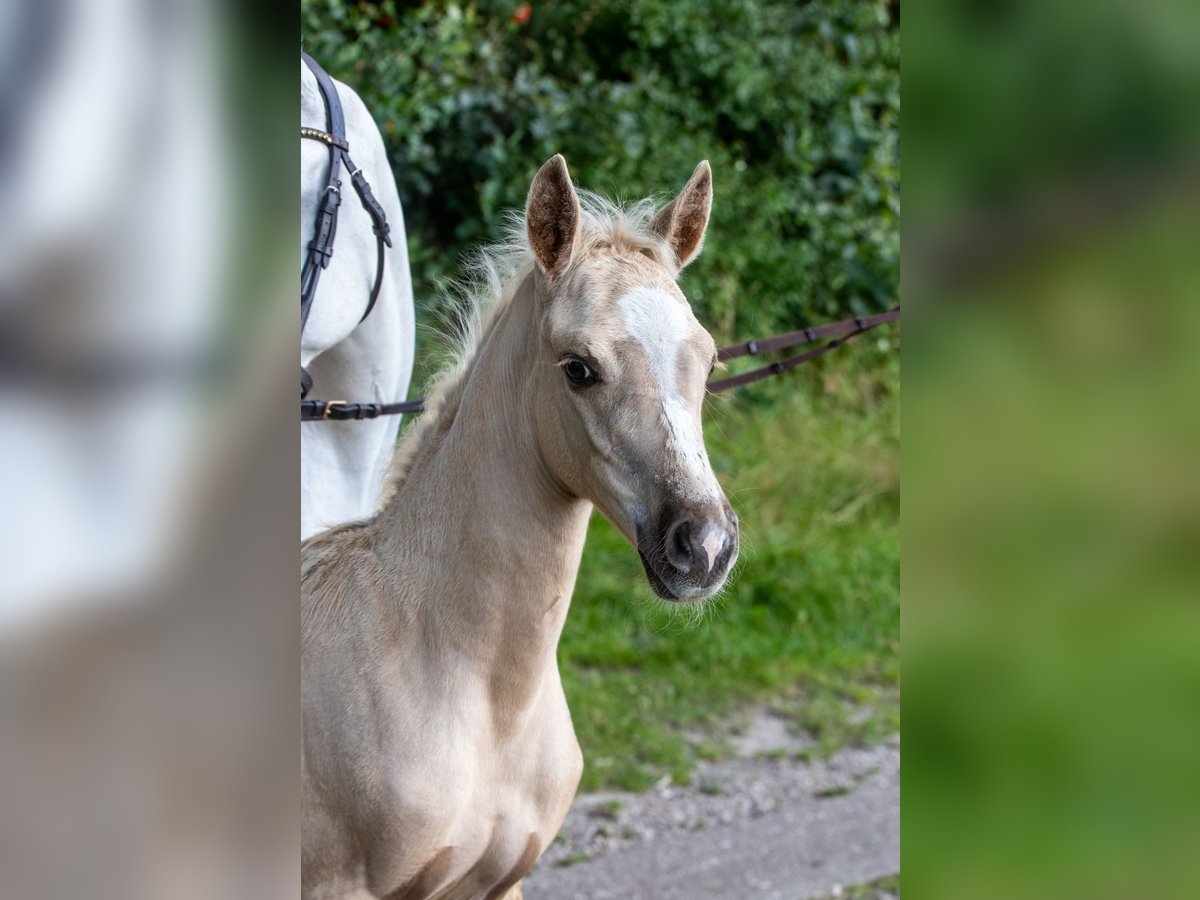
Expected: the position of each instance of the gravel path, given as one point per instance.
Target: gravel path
(757, 826)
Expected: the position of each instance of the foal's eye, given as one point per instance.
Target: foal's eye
(578, 373)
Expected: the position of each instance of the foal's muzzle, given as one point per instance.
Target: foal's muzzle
(688, 549)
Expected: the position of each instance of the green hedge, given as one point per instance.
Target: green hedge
(796, 105)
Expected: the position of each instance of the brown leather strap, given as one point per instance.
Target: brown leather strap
(846, 330)
(379, 224)
(320, 248)
(807, 335)
(340, 411)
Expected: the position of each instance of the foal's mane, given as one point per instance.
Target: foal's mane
(494, 275)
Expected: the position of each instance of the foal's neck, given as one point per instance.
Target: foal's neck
(488, 541)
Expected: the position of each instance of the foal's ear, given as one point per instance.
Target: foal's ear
(683, 220)
(552, 216)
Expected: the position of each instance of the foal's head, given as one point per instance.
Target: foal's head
(621, 377)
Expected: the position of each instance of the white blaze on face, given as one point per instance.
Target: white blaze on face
(661, 323)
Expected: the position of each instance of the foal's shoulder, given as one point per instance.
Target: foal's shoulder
(322, 551)
(333, 566)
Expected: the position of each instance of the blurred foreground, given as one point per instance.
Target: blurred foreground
(147, 613)
(1052, 497)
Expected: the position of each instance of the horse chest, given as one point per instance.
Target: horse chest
(496, 807)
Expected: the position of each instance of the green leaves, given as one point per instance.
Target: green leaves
(797, 107)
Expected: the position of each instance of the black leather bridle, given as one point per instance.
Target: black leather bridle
(320, 248)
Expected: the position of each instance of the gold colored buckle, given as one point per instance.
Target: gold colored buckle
(330, 404)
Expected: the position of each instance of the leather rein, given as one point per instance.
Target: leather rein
(839, 332)
(320, 248)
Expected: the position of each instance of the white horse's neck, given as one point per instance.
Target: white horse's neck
(343, 464)
(486, 539)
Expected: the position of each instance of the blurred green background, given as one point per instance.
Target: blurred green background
(795, 105)
(797, 108)
(1052, 515)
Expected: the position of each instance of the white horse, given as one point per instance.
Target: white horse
(114, 190)
(343, 464)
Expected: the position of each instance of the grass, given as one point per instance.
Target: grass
(829, 793)
(572, 859)
(608, 810)
(836, 711)
(888, 886)
(810, 622)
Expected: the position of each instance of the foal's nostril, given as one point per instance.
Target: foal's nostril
(679, 546)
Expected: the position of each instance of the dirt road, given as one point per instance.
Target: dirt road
(763, 825)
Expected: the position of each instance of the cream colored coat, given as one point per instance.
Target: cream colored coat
(438, 754)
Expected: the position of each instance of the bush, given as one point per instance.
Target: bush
(795, 104)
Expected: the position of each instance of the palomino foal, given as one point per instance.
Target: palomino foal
(438, 754)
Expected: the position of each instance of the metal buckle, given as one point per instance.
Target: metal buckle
(329, 405)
